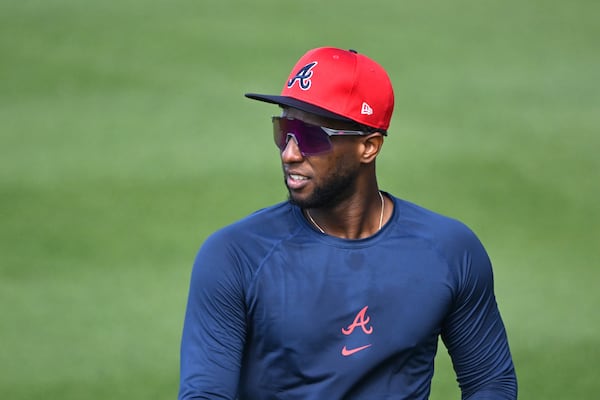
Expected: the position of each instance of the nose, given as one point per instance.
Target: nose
(291, 152)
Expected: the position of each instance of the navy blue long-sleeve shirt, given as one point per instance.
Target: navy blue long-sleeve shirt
(277, 310)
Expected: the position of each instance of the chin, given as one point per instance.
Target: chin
(311, 200)
(335, 190)
(297, 200)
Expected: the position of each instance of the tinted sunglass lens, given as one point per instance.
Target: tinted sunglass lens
(278, 136)
(311, 139)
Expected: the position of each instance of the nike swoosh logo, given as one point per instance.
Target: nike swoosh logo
(348, 352)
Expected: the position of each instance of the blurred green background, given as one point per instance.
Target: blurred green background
(125, 140)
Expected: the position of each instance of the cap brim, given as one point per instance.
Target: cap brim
(286, 101)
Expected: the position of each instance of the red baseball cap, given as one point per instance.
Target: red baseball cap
(338, 84)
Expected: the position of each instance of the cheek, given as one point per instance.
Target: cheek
(342, 164)
(342, 160)
(347, 156)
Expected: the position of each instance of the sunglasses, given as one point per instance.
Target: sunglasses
(311, 139)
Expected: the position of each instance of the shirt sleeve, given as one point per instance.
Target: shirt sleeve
(214, 325)
(474, 333)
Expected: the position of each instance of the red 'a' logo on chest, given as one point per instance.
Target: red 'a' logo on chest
(361, 320)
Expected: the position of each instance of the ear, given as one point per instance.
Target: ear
(371, 146)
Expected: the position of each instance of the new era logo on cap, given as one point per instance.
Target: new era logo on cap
(339, 84)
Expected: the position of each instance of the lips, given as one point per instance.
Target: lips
(296, 181)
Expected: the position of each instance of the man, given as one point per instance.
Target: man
(342, 291)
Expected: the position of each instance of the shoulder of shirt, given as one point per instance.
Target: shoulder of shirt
(267, 225)
(237, 250)
(442, 231)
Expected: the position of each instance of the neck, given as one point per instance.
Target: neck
(353, 219)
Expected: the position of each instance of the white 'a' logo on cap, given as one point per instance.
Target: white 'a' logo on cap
(366, 109)
(303, 77)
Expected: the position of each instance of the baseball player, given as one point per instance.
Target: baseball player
(342, 291)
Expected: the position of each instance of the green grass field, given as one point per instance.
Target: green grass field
(125, 140)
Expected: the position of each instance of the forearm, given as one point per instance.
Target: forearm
(214, 330)
(475, 335)
(501, 388)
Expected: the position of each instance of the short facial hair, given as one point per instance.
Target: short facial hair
(336, 188)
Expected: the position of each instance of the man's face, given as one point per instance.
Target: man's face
(322, 180)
